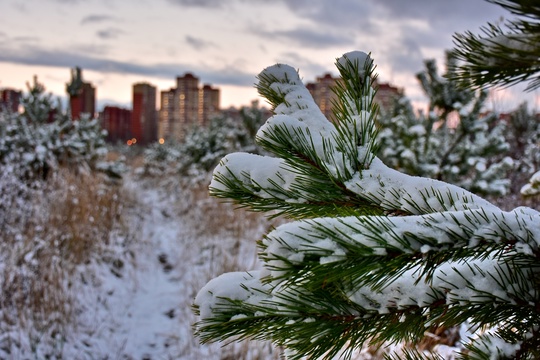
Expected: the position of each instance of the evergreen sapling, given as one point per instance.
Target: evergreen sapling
(454, 142)
(372, 255)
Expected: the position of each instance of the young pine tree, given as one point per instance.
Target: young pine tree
(524, 139)
(43, 137)
(373, 255)
(504, 55)
(453, 142)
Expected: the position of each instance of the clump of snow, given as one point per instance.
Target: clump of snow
(533, 187)
(355, 58)
(226, 286)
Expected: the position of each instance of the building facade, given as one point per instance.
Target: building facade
(144, 126)
(117, 122)
(324, 97)
(208, 104)
(387, 95)
(185, 106)
(322, 93)
(82, 95)
(10, 99)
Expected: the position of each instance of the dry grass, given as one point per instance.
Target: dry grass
(66, 222)
(232, 232)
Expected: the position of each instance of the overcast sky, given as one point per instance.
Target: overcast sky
(226, 43)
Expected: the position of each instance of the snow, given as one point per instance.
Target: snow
(141, 309)
(533, 187)
(358, 58)
(439, 216)
(226, 286)
(268, 179)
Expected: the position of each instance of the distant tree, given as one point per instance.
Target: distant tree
(453, 142)
(204, 146)
(524, 137)
(373, 255)
(44, 137)
(533, 187)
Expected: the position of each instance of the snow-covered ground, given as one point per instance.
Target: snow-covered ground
(145, 312)
(133, 299)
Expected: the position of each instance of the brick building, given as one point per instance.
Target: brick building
(82, 95)
(117, 122)
(322, 93)
(144, 126)
(10, 99)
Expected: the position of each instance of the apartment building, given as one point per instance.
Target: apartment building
(82, 95)
(144, 125)
(117, 122)
(322, 93)
(185, 106)
(10, 99)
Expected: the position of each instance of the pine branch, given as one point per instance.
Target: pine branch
(336, 283)
(499, 57)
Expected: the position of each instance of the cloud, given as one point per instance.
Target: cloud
(307, 68)
(409, 57)
(198, 3)
(109, 33)
(96, 18)
(92, 48)
(68, 1)
(336, 13)
(306, 37)
(364, 15)
(33, 55)
(26, 39)
(435, 11)
(433, 22)
(198, 43)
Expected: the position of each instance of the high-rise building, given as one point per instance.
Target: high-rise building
(10, 99)
(82, 95)
(185, 106)
(144, 125)
(322, 93)
(324, 97)
(208, 103)
(166, 124)
(186, 100)
(386, 95)
(117, 122)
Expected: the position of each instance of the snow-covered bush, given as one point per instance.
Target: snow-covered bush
(204, 146)
(454, 142)
(44, 137)
(374, 255)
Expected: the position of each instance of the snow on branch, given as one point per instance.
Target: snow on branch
(304, 138)
(371, 246)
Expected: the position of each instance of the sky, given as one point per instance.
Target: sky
(226, 43)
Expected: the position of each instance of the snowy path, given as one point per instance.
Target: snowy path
(144, 312)
(154, 314)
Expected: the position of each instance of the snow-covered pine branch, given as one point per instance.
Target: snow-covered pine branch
(502, 56)
(375, 255)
